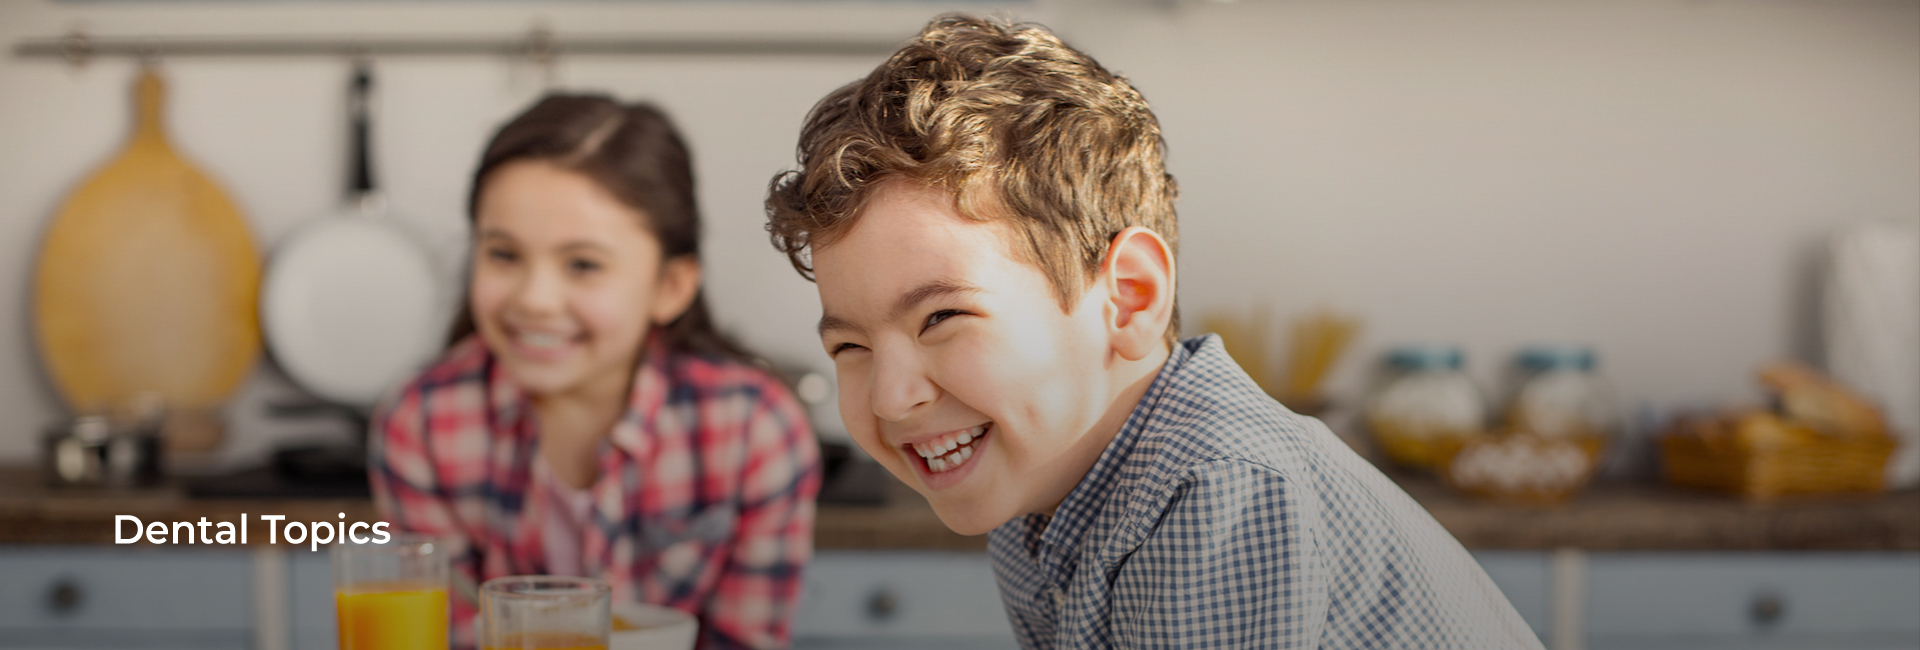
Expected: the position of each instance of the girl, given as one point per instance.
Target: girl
(587, 418)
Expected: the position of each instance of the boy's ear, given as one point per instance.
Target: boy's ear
(679, 283)
(1138, 274)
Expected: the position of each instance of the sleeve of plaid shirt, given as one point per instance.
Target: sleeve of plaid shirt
(407, 492)
(1232, 563)
(754, 603)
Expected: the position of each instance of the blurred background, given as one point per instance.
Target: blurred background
(1662, 184)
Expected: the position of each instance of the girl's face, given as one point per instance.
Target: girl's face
(567, 280)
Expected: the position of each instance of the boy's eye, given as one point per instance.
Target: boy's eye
(501, 255)
(843, 347)
(937, 317)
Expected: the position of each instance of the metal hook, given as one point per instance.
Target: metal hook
(542, 52)
(149, 57)
(76, 48)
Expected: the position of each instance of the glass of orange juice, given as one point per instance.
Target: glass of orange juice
(544, 613)
(391, 596)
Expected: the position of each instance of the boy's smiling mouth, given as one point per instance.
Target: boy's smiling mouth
(950, 451)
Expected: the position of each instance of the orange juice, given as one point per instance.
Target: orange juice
(547, 641)
(392, 616)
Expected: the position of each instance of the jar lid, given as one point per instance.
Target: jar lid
(1541, 358)
(1426, 357)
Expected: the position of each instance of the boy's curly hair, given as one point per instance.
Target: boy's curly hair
(1016, 124)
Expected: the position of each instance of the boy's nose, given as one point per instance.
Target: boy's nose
(900, 388)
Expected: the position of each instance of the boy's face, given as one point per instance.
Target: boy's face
(958, 370)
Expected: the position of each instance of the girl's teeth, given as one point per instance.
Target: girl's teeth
(966, 436)
(541, 340)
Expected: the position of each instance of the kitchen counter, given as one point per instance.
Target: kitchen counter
(1646, 517)
(1605, 518)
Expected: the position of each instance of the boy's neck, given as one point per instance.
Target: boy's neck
(1132, 378)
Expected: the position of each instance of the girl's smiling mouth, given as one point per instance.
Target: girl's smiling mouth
(949, 452)
(541, 345)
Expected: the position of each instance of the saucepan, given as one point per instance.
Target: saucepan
(96, 451)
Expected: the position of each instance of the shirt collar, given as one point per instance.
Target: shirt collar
(646, 401)
(1076, 513)
(511, 402)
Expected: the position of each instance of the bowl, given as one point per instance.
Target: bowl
(655, 628)
(1522, 468)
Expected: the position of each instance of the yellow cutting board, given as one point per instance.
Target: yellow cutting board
(147, 280)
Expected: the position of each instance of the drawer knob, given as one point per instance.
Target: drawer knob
(882, 605)
(1768, 608)
(65, 597)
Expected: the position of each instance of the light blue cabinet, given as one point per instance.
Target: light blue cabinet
(1757, 600)
(121, 598)
(1657, 601)
(112, 598)
(1526, 579)
(310, 579)
(854, 600)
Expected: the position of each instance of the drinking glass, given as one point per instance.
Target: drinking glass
(391, 596)
(544, 613)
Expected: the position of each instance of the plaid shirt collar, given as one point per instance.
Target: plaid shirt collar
(511, 405)
(1054, 540)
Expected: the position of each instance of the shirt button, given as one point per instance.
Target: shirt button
(1059, 597)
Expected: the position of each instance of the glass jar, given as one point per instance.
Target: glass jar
(1559, 395)
(1426, 405)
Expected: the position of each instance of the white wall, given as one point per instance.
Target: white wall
(1649, 176)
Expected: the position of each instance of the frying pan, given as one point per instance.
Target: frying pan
(351, 302)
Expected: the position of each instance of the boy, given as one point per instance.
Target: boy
(992, 232)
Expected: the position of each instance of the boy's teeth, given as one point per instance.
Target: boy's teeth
(949, 451)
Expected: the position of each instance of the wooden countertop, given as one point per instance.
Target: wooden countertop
(1646, 517)
(1605, 518)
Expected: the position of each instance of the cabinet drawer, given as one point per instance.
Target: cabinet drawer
(1526, 579)
(48, 590)
(1753, 598)
(902, 595)
(310, 583)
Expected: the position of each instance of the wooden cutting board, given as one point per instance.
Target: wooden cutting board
(147, 280)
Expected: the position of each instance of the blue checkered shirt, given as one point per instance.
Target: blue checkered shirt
(1217, 519)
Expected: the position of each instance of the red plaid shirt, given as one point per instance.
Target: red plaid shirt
(704, 502)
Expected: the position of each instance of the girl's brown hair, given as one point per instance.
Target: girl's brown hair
(632, 151)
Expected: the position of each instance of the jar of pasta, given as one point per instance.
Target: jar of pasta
(1426, 407)
(1559, 395)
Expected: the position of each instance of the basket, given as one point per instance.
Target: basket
(1762, 456)
(1522, 468)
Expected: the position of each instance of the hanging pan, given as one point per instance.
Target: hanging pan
(351, 302)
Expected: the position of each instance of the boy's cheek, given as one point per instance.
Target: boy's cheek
(855, 415)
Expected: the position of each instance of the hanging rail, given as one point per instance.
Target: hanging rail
(539, 44)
